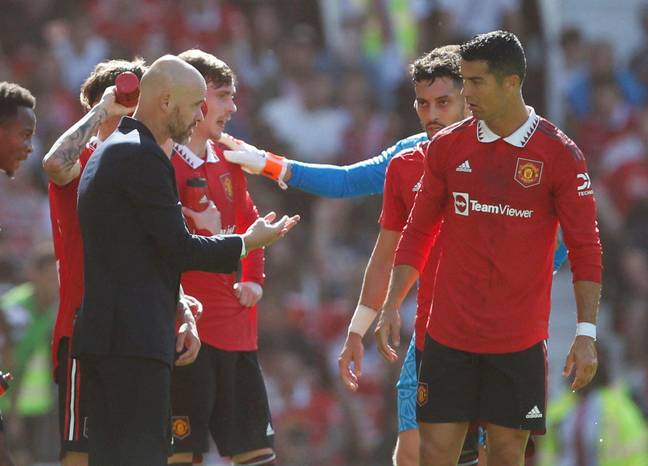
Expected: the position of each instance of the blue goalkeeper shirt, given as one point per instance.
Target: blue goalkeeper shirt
(362, 179)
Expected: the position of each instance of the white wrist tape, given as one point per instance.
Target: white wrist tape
(586, 329)
(362, 319)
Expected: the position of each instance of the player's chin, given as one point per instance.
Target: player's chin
(216, 133)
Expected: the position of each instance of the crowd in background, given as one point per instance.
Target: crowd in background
(323, 82)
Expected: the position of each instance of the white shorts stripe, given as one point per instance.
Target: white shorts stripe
(72, 389)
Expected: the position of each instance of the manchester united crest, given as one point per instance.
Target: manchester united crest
(421, 394)
(228, 186)
(181, 427)
(528, 172)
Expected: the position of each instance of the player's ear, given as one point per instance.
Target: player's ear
(512, 82)
(166, 101)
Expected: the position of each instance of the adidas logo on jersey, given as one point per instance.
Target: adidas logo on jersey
(534, 413)
(269, 430)
(464, 167)
(204, 199)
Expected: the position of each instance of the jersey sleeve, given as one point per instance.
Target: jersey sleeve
(253, 265)
(576, 209)
(359, 179)
(394, 211)
(420, 232)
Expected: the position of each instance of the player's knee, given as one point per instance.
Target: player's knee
(432, 454)
(404, 457)
(505, 455)
(74, 458)
(265, 458)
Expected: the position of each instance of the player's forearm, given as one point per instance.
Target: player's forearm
(588, 295)
(60, 163)
(376, 280)
(401, 281)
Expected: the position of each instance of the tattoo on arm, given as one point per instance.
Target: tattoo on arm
(67, 149)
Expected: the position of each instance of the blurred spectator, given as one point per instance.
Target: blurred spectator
(598, 425)
(634, 266)
(29, 311)
(368, 131)
(206, 22)
(611, 117)
(257, 46)
(76, 48)
(624, 173)
(467, 18)
(573, 64)
(24, 216)
(304, 408)
(602, 65)
(306, 120)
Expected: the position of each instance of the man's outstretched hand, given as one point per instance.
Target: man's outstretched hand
(264, 232)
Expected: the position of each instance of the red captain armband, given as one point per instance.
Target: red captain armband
(275, 166)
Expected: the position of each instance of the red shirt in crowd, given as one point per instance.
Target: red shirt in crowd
(225, 323)
(68, 248)
(501, 200)
(402, 182)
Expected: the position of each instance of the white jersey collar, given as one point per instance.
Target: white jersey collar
(192, 159)
(518, 138)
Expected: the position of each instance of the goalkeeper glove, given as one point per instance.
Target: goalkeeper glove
(254, 160)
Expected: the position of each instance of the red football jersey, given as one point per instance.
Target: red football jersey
(402, 182)
(501, 200)
(225, 323)
(68, 248)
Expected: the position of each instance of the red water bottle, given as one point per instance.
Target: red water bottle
(127, 85)
(196, 199)
(5, 378)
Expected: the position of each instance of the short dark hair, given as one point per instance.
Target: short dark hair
(13, 96)
(214, 70)
(442, 62)
(502, 51)
(104, 75)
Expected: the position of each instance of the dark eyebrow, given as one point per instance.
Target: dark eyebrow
(473, 78)
(447, 96)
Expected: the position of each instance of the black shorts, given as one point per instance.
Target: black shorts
(73, 403)
(506, 389)
(129, 401)
(222, 393)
